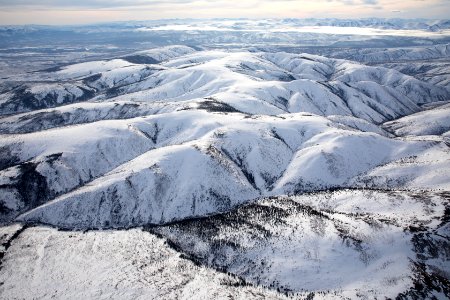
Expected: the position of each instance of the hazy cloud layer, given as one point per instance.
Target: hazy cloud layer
(88, 11)
(51, 4)
(353, 2)
(95, 3)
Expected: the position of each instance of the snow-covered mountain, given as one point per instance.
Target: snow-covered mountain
(434, 121)
(110, 264)
(202, 105)
(222, 154)
(386, 55)
(345, 242)
(255, 83)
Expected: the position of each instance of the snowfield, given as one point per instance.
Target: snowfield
(190, 173)
(125, 264)
(345, 242)
(435, 121)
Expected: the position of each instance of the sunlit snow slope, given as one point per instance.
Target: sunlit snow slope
(178, 133)
(216, 152)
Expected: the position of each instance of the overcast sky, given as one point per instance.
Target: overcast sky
(90, 11)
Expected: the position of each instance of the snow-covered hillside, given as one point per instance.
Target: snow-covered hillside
(254, 83)
(345, 242)
(130, 264)
(435, 121)
(144, 165)
(436, 72)
(395, 54)
(219, 155)
(429, 64)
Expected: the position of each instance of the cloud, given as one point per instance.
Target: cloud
(370, 2)
(91, 3)
(84, 11)
(353, 2)
(132, 3)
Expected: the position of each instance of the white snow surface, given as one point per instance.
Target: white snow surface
(247, 124)
(130, 264)
(174, 137)
(235, 159)
(435, 121)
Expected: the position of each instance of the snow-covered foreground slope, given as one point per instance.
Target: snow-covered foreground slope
(338, 245)
(130, 264)
(350, 243)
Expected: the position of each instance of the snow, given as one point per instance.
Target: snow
(255, 156)
(256, 83)
(346, 246)
(338, 245)
(358, 124)
(166, 53)
(184, 162)
(91, 68)
(401, 209)
(237, 78)
(431, 122)
(409, 54)
(358, 27)
(110, 264)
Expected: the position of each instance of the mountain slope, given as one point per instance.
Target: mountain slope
(128, 159)
(429, 122)
(270, 174)
(236, 158)
(345, 243)
(264, 83)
